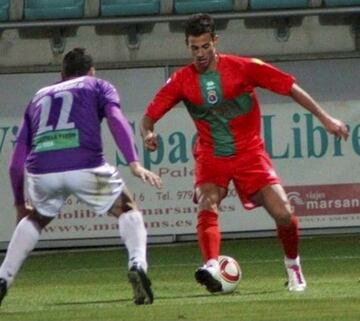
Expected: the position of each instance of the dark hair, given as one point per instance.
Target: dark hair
(76, 63)
(199, 24)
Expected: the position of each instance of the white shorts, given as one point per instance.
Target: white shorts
(97, 187)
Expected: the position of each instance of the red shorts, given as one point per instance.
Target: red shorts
(249, 173)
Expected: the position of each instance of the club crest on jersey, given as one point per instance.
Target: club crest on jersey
(212, 97)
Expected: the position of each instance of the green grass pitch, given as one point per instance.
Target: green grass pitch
(92, 285)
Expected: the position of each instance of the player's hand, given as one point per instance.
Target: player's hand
(145, 175)
(337, 127)
(150, 141)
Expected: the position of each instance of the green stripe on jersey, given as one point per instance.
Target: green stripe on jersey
(218, 112)
(57, 140)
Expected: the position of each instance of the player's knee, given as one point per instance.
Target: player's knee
(124, 203)
(40, 219)
(283, 220)
(207, 202)
(282, 213)
(208, 205)
(283, 216)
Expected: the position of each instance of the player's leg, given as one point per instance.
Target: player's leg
(111, 196)
(258, 185)
(209, 197)
(43, 192)
(23, 241)
(275, 201)
(212, 176)
(131, 228)
(133, 233)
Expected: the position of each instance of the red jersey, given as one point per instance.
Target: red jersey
(222, 103)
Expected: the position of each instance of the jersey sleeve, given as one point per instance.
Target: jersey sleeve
(166, 98)
(107, 95)
(269, 77)
(121, 132)
(17, 161)
(16, 171)
(24, 135)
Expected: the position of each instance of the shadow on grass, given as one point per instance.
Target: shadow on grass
(196, 296)
(91, 302)
(129, 300)
(212, 295)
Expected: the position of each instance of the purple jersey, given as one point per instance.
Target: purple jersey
(62, 125)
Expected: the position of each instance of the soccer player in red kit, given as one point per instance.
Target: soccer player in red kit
(219, 93)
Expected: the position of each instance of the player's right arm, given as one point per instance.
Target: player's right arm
(148, 134)
(122, 133)
(166, 98)
(124, 139)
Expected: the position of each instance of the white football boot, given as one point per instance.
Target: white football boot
(296, 281)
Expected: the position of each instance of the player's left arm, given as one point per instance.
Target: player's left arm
(121, 132)
(124, 139)
(269, 77)
(333, 125)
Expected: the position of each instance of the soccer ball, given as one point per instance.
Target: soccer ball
(230, 273)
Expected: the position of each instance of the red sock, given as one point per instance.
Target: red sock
(289, 237)
(208, 233)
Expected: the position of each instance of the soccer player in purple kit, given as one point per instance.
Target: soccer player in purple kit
(60, 146)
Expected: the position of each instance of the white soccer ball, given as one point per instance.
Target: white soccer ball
(230, 273)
